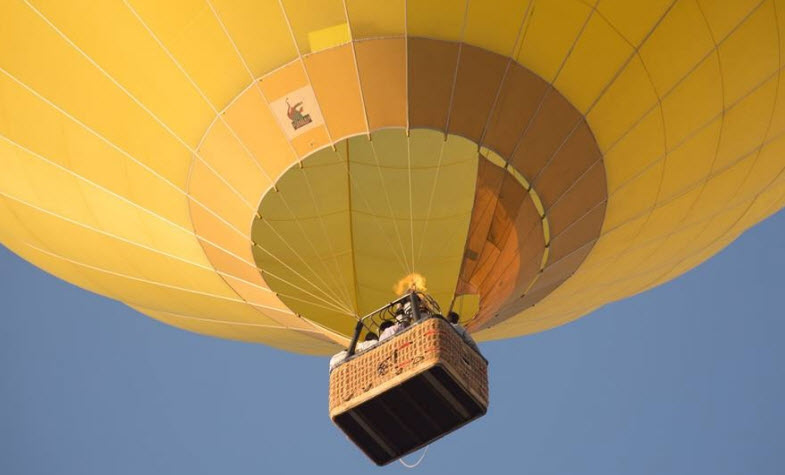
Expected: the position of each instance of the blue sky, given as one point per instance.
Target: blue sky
(685, 379)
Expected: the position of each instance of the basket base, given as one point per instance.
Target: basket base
(410, 415)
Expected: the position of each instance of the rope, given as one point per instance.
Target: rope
(415, 464)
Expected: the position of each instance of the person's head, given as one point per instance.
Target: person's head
(371, 336)
(385, 325)
(453, 317)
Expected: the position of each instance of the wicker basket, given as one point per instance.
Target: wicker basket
(409, 390)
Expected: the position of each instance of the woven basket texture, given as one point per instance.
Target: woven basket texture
(423, 345)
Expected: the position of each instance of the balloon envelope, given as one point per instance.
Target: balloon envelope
(269, 170)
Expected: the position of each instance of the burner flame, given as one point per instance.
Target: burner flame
(412, 281)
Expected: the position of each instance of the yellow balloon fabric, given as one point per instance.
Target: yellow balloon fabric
(269, 170)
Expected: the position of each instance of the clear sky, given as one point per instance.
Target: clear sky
(685, 379)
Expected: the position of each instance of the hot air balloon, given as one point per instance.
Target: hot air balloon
(271, 170)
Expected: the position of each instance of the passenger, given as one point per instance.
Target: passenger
(388, 328)
(453, 318)
(371, 339)
(406, 314)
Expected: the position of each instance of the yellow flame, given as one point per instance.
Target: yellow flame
(413, 281)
